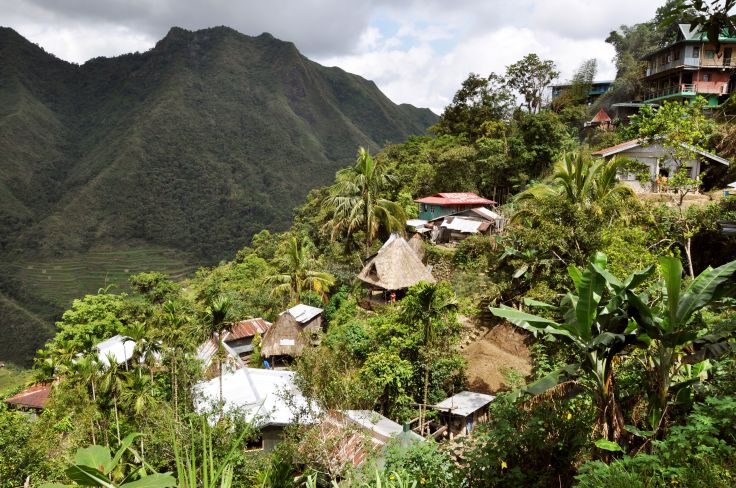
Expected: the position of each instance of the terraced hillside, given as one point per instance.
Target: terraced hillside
(191, 147)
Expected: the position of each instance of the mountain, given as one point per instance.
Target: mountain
(175, 155)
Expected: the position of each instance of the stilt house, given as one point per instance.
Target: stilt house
(296, 328)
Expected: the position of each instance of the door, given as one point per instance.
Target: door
(727, 56)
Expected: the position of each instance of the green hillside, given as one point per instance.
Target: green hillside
(190, 147)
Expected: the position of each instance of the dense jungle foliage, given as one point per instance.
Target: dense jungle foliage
(626, 303)
(188, 149)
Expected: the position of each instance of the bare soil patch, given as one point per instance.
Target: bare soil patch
(494, 352)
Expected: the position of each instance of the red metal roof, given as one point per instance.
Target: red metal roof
(445, 199)
(601, 116)
(34, 396)
(248, 328)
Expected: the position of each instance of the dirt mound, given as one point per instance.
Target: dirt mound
(494, 355)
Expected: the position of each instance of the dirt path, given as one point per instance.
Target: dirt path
(496, 351)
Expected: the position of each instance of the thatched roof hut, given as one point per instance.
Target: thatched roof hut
(296, 328)
(395, 267)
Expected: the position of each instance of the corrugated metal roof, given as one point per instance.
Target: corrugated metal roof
(257, 394)
(466, 198)
(247, 328)
(601, 116)
(34, 396)
(378, 423)
(304, 313)
(485, 213)
(465, 403)
(120, 347)
(460, 224)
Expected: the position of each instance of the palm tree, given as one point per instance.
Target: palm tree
(216, 322)
(112, 384)
(589, 185)
(297, 275)
(431, 306)
(357, 202)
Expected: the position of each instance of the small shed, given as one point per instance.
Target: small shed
(207, 354)
(463, 411)
(358, 433)
(601, 120)
(33, 398)
(296, 328)
(240, 337)
(267, 398)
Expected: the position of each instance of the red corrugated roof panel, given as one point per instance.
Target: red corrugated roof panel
(466, 198)
(34, 396)
(248, 328)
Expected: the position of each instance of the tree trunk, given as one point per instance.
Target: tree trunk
(175, 393)
(424, 397)
(688, 253)
(219, 366)
(117, 420)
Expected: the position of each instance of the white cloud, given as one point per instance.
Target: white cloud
(416, 51)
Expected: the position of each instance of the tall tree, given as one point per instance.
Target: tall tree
(297, 274)
(530, 76)
(432, 307)
(215, 323)
(478, 100)
(358, 202)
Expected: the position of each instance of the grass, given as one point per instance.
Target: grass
(11, 378)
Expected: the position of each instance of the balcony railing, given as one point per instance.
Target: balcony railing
(701, 62)
(683, 89)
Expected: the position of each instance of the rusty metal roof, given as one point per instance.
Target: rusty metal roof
(247, 328)
(34, 396)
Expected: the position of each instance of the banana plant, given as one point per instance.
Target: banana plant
(674, 343)
(94, 466)
(596, 323)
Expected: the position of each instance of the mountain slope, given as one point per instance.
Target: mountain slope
(193, 146)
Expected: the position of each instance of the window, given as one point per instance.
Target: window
(706, 76)
(676, 54)
(710, 54)
(424, 207)
(696, 51)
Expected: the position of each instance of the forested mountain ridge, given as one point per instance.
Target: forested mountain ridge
(192, 146)
(195, 144)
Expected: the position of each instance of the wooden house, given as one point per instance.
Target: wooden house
(659, 161)
(462, 412)
(441, 204)
(240, 336)
(295, 329)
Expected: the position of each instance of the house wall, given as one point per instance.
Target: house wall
(272, 437)
(428, 211)
(717, 81)
(653, 156)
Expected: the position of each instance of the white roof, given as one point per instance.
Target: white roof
(120, 347)
(625, 146)
(465, 403)
(378, 423)
(460, 224)
(732, 185)
(304, 313)
(489, 214)
(258, 394)
(416, 223)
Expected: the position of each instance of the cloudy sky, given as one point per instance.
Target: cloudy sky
(417, 52)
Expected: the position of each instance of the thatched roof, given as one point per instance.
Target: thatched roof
(288, 336)
(417, 245)
(395, 267)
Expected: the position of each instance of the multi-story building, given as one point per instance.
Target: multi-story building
(691, 66)
(597, 88)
